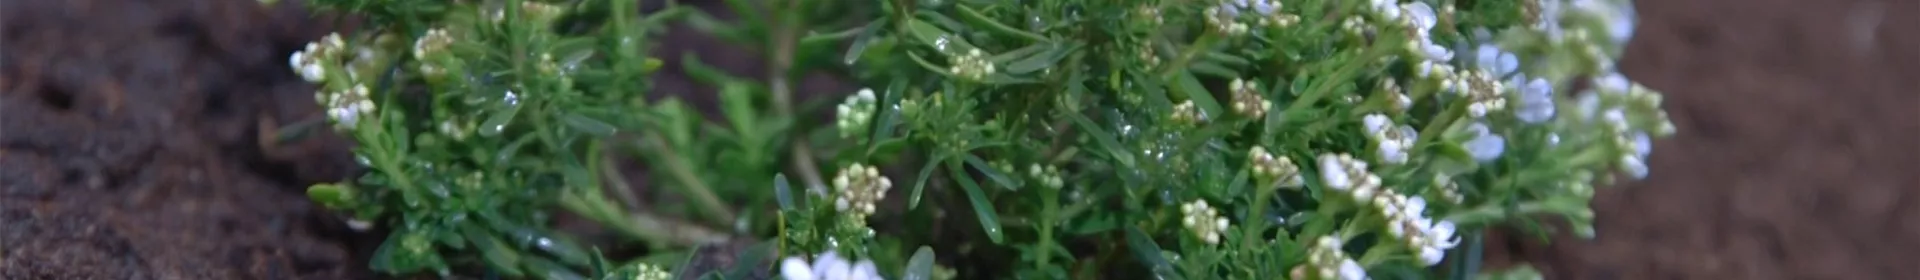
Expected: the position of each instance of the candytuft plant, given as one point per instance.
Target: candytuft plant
(1049, 139)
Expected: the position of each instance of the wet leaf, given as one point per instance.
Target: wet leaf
(983, 208)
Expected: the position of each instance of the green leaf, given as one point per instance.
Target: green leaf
(1211, 69)
(926, 172)
(920, 266)
(998, 176)
(989, 220)
(587, 124)
(498, 121)
(1040, 60)
(1149, 254)
(861, 42)
(937, 38)
(782, 192)
(1191, 87)
(1119, 152)
(334, 196)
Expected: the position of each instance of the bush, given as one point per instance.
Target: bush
(1246, 139)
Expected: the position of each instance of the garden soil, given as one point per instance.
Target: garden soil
(135, 144)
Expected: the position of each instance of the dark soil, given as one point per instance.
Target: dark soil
(130, 145)
(1798, 155)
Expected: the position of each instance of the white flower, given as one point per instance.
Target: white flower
(310, 63)
(1333, 171)
(1633, 166)
(1421, 20)
(1392, 142)
(1642, 145)
(828, 266)
(1325, 260)
(1484, 146)
(1549, 19)
(1247, 101)
(348, 108)
(1492, 58)
(1536, 101)
(1351, 270)
(1386, 9)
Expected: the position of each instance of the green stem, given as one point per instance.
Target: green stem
(1048, 209)
(1257, 223)
(693, 185)
(781, 43)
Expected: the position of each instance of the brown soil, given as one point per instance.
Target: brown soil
(129, 136)
(129, 145)
(1798, 150)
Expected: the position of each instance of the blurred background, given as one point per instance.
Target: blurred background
(131, 144)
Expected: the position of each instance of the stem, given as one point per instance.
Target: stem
(1258, 223)
(782, 62)
(621, 189)
(1048, 209)
(677, 168)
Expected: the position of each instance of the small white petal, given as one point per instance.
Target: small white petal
(1432, 256)
(795, 268)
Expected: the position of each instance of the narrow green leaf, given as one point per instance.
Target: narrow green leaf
(981, 20)
(913, 199)
(889, 115)
(1149, 254)
(1214, 70)
(512, 149)
(998, 176)
(1106, 140)
(1039, 61)
(861, 42)
(1023, 52)
(498, 121)
(989, 220)
(920, 266)
(937, 38)
(1190, 86)
(587, 124)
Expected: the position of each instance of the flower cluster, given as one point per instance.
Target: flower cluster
(1047, 175)
(972, 65)
(828, 266)
(1203, 221)
(1226, 16)
(853, 115)
(858, 188)
(1187, 113)
(312, 63)
(1280, 170)
(1325, 260)
(1247, 101)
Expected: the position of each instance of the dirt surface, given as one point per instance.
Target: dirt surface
(1798, 155)
(128, 134)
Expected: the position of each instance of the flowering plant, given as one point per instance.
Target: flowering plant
(1250, 139)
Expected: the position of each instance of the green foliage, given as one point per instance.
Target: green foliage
(1051, 139)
